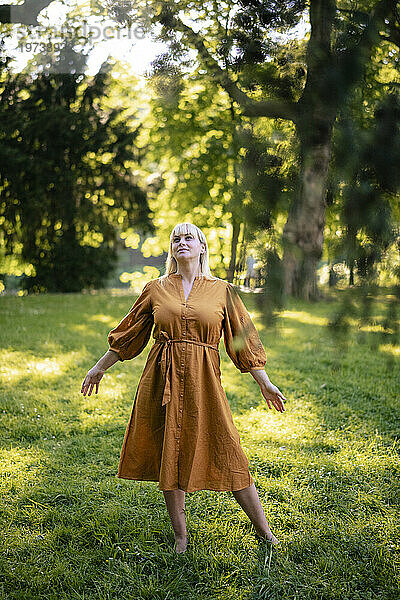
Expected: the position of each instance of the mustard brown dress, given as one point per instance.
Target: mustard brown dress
(181, 431)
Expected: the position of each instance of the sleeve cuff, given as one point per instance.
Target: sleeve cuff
(256, 367)
(117, 352)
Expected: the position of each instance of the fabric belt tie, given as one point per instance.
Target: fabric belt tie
(166, 360)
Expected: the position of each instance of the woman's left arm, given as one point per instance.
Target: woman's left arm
(270, 392)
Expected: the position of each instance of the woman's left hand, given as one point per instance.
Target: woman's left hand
(270, 392)
(273, 395)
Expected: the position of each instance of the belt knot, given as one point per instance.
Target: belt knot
(166, 359)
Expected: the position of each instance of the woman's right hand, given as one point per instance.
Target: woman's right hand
(91, 380)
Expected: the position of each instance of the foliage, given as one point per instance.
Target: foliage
(217, 167)
(364, 179)
(242, 47)
(67, 186)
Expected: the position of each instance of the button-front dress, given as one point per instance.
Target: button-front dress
(181, 431)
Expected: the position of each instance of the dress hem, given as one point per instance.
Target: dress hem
(210, 488)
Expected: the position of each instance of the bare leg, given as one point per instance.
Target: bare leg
(250, 502)
(175, 501)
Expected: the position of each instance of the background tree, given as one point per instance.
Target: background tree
(66, 181)
(304, 84)
(364, 174)
(235, 45)
(218, 165)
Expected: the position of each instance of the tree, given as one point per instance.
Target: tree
(237, 51)
(364, 178)
(372, 178)
(25, 13)
(214, 165)
(234, 44)
(66, 186)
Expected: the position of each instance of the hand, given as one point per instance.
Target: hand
(91, 380)
(273, 394)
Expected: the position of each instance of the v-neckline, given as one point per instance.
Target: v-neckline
(181, 290)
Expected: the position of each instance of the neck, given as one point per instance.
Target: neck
(188, 272)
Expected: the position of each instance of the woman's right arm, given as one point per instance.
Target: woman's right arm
(96, 373)
(126, 340)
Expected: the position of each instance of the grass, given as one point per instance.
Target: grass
(327, 470)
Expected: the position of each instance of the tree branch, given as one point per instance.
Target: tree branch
(276, 109)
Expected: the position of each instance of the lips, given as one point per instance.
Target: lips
(182, 250)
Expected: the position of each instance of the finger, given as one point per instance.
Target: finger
(97, 386)
(280, 397)
(279, 404)
(86, 382)
(279, 393)
(90, 389)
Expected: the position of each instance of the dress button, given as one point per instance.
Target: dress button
(183, 349)
(183, 317)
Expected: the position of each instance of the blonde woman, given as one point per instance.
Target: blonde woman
(181, 432)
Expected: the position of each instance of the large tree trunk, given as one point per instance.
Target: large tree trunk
(303, 233)
(230, 272)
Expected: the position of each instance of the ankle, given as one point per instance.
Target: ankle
(265, 533)
(268, 537)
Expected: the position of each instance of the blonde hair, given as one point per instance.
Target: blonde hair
(171, 264)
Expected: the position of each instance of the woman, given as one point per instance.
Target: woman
(181, 432)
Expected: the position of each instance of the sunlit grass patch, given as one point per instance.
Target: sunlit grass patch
(304, 317)
(327, 469)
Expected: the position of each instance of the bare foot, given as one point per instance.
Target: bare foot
(269, 537)
(180, 544)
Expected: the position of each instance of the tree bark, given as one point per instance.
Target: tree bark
(351, 275)
(303, 234)
(234, 242)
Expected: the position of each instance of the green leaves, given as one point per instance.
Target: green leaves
(66, 178)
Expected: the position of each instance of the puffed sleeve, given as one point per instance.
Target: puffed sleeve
(242, 342)
(132, 334)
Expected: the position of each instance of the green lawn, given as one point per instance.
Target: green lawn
(327, 469)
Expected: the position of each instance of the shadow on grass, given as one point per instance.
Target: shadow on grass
(73, 530)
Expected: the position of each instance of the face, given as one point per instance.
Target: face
(186, 246)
